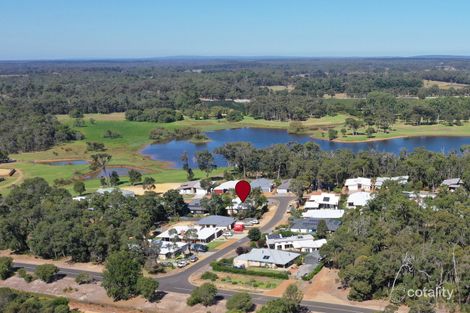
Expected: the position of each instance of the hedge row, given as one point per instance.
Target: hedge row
(229, 269)
(315, 271)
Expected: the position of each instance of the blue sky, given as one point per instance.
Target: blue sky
(69, 29)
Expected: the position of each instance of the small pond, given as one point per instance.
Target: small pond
(68, 162)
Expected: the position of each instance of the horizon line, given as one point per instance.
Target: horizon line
(232, 57)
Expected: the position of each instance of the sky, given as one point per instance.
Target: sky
(101, 29)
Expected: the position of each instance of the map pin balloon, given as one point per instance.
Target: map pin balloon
(242, 189)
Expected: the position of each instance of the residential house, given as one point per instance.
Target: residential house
(266, 185)
(284, 187)
(420, 197)
(358, 184)
(217, 221)
(322, 201)
(379, 181)
(266, 258)
(196, 208)
(227, 186)
(324, 213)
(192, 188)
(202, 234)
(360, 198)
(170, 250)
(452, 183)
(237, 206)
(298, 243)
(309, 225)
(125, 193)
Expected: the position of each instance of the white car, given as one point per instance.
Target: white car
(255, 221)
(182, 263)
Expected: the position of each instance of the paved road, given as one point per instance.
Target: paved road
(179, 282)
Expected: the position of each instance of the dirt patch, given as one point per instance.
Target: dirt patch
(62, 263)
(93, 299)
(325, 287)
(159, 188)
(279, 290)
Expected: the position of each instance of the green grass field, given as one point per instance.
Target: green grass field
(125, 150)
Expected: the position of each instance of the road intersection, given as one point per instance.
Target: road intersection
(180, 283)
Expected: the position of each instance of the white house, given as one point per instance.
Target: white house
(125, 193)
(192, 188)
(324, 214)
(322, 201)
(202, 234)
(169, 250)
(360, 198)
(224, 187)
(379, 181)
(237, 206)
(358, 184)
(266, 258)
(264, 184)
(310, 225)
(299, 243)
(452, 183)
(284, 187)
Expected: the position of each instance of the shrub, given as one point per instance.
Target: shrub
(222, 266)
(315, 271)
(146, 287)
(240, 301)
(46, 272)
(25, 275)
(83, 278)
(5, 267)
(205, 294)
(209, 276)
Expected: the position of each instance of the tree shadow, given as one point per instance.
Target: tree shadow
(158, 296)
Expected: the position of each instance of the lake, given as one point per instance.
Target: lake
(261, 138)
(68, 162)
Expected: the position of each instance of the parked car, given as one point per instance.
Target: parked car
(227, 233)
(254, 221)
(193, 258)
(241, 267)
(182, 263)
(199, 247)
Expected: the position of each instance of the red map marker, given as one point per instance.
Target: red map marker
(242, 189)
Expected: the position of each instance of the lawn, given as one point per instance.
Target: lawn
(125, 149)
(214, 244)
(134, 136)
(401, 129)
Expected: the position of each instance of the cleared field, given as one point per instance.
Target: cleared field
(134, 136)
(289, 88)
(443, 85)
(401, 129)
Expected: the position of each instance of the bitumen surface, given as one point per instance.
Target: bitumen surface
(179, 282)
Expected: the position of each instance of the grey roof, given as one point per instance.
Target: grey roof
(195, 205)
(452, 182)
(274, 236)
(217, 220)
(126, 193)
(312, 223)
(190, 184)
(271, 256)
(285, 184)
(262, 183)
